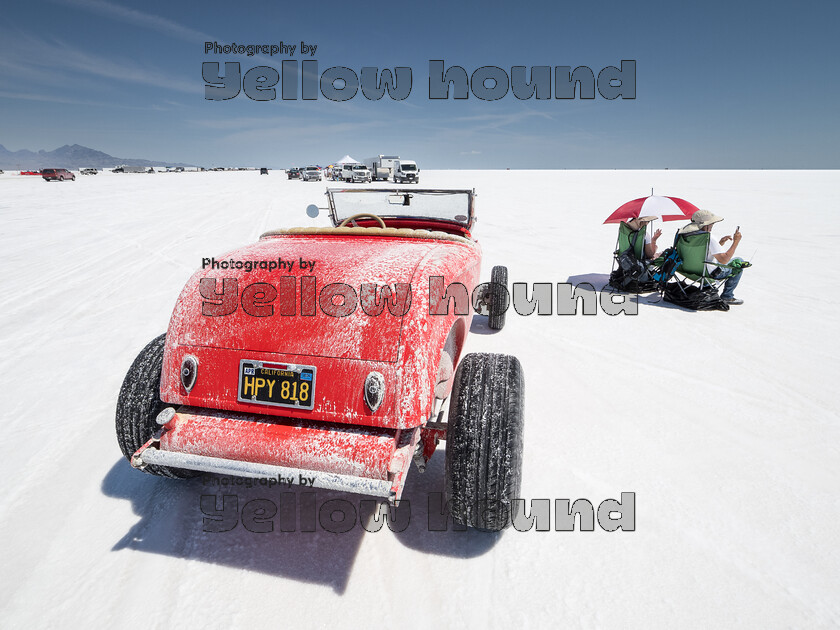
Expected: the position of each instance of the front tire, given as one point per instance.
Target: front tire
(139, 404)
(484, 441)
(499, 298)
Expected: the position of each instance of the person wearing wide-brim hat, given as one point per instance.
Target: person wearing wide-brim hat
(703, 220)
(640, 223)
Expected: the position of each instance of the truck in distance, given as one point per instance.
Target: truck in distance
(406, 171)
(311, 174)
(355, 173)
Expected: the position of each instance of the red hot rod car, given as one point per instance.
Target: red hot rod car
(328, 353)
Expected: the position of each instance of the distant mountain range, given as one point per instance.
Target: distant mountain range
(71, 157)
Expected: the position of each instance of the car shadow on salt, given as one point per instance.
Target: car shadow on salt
(481, 325)
(429, 530)
(175, 516)
(301, 534)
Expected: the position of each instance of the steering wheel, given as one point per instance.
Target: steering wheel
(359, 216)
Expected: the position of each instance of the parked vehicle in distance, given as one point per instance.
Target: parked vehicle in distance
(406, 171)
(336, 396)
(355, 173)
(263, 171)
(88, 171)
(293, 173)
(30, 172)
(57, 175)
(382, 166)
(311, 174)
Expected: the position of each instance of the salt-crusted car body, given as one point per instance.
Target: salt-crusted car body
(325, 354)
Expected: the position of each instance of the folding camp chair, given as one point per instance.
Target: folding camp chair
(693, 249)
(628, 237)
(699, 291)
(630, 272)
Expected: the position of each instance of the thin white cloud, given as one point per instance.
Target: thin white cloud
(505, 118)
(47, 98)
(34, 57)
(147, 20)
(122, 70)
(495, 121)
(138, 18)
(50, 98)
(283, 130)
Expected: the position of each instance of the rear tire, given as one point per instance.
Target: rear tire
(484, 441)
(499, 297)
(139, 404)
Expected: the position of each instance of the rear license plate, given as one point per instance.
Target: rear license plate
(279, 384)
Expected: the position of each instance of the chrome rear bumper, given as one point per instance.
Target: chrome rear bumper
(327, 481)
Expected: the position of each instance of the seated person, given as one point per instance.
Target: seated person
(702, 220)
(629, 273)
(640, 223)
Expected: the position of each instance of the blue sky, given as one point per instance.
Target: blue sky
(719, 84)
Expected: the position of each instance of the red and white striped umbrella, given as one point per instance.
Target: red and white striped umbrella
(664, 208)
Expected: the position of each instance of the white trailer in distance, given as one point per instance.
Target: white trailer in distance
(382, 166)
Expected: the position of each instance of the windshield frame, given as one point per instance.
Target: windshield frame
(371, 192)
